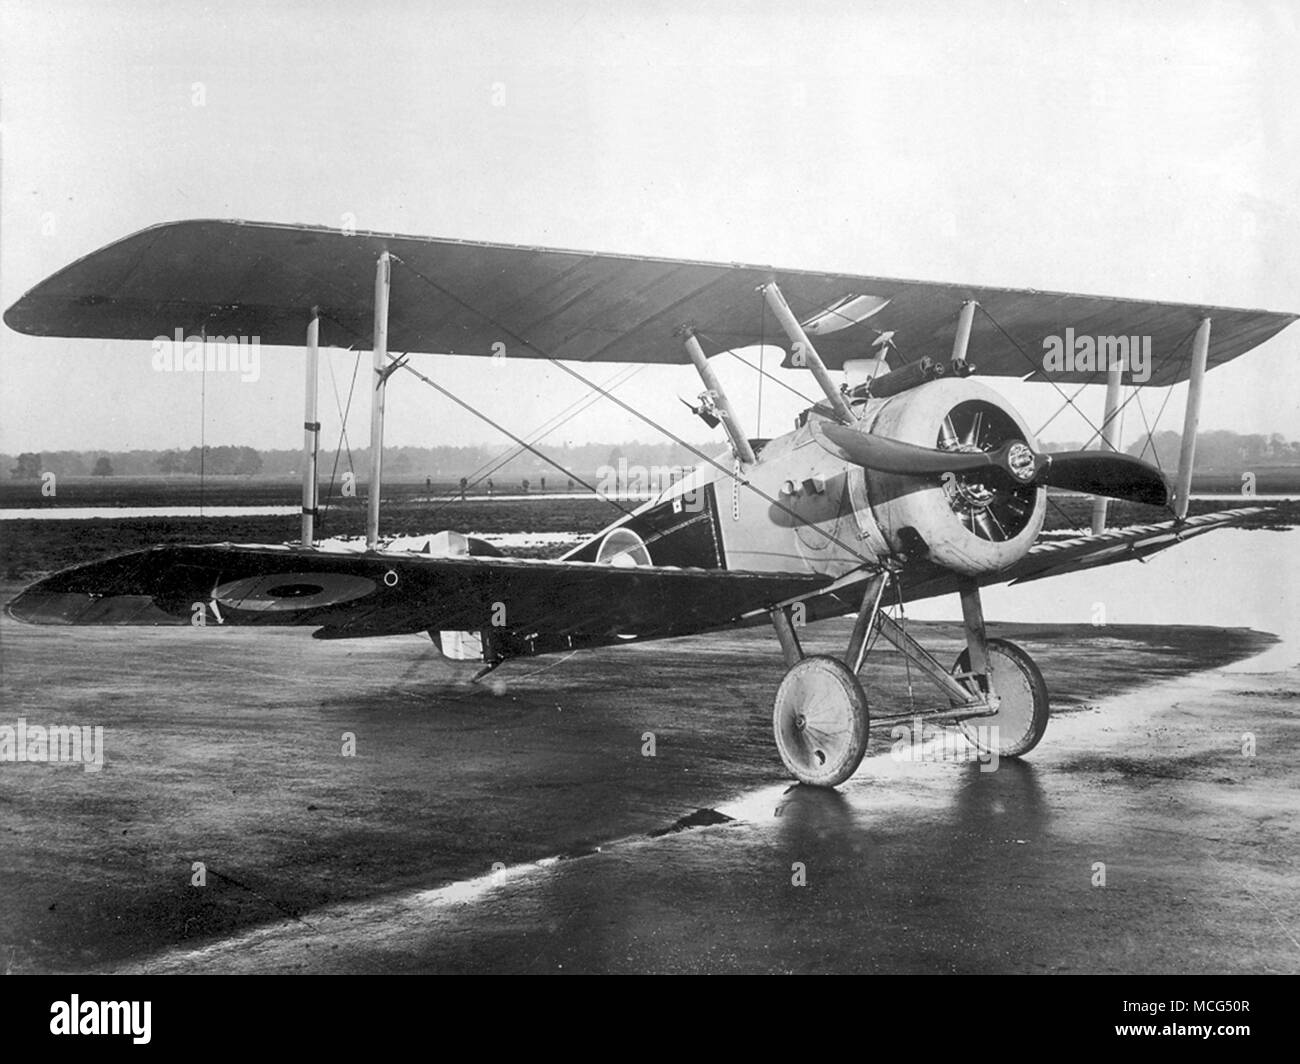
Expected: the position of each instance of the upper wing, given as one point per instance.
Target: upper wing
(540, 604)
(455, 297)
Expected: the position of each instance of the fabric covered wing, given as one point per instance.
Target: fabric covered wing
(455, 297)
(387, 594)
(1051, 557)
(1056, 557)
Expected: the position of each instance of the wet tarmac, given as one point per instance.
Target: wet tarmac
(521, 825)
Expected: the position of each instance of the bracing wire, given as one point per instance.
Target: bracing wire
(729, 473)
(344, 411)
(396, 360)
(491, 466)
(523, 444)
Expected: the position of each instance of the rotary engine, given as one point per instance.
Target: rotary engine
(974, 520)
(952, 474)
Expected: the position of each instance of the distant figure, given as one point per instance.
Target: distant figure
(525, 485)
(428, 488)
(489, 485)
(543, 483)
(464, 483)
(571, 483)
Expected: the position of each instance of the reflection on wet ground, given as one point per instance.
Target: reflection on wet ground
(521, 828)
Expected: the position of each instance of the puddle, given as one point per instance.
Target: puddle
(701, 818)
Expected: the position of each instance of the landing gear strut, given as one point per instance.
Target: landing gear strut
(995, 693)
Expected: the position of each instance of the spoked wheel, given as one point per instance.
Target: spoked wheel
(820, 720)
(1022, 712)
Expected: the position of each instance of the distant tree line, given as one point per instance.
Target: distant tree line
(1222, 450)
(216, 461)
(437, 463)
(1218, 451)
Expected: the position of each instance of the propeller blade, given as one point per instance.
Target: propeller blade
(894, 456)
(1117, 476)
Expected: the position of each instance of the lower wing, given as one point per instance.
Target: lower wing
(538, 605)
(527, 606)
(1056, 557)
(1049, 557)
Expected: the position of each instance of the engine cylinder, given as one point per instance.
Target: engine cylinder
(971, 523)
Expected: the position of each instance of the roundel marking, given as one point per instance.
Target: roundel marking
(283, 592)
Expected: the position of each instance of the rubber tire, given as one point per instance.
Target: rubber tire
(840, 707)
(1027, 681)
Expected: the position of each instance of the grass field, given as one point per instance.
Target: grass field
(284, 491)
(231, 491)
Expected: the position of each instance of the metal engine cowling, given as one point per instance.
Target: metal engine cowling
(973, 523)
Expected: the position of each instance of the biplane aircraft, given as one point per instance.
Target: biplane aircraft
(909, 479)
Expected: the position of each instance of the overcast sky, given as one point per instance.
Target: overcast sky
(1119, 148)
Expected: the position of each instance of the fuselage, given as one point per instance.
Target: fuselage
(801, 508)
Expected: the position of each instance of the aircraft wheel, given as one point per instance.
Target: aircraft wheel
(1022, 713)
(820, 720)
